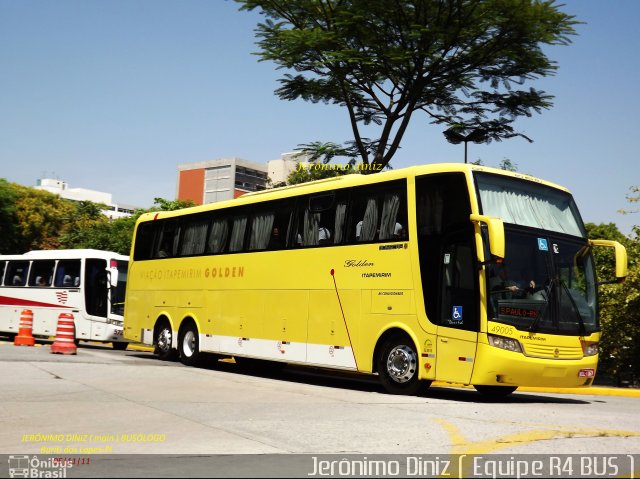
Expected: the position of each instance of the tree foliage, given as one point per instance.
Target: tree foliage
(464, 63)
(619, 306)
(116, 235)
(33, 219)
(632, 197)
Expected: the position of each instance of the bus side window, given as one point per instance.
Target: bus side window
(67, 274)
(194, 238)
(379, 215)
(144, 241)
(218, 236)
(167, 246)
(2, 268)
(261, 230)
(321, 219)
(269, 226)
(41, 273)
(237, 234)
(282, 224)
(17, 273)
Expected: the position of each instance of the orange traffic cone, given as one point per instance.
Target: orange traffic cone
(25, 335)
(65, 335)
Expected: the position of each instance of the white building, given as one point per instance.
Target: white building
(61, 188)
(280, 169)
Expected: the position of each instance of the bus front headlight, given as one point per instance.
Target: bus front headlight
(501, 342)
(590, 348)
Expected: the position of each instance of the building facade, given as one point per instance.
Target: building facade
(61, 188)
(217, 180)
(280, 169)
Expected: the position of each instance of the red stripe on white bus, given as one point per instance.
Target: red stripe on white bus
(8, 301)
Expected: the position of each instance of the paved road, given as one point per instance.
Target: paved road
(128, 402)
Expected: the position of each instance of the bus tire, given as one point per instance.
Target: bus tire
(398, 365)
(189, 345)
(495, 391)
(119, 345)
(162, 340)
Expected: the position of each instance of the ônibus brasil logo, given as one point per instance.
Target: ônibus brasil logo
(25, 466)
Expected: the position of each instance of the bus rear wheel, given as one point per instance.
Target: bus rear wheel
(163, 340)
(189, 345)
(495, 391)
(398, 366)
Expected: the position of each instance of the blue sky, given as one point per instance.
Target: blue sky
(112, 95)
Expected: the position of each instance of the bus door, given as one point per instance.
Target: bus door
(96, 291)
(459, 307)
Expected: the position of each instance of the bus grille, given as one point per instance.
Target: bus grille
(552, 352)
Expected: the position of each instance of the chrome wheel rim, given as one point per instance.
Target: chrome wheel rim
(189, 344)
(164, 340)
(402, 364)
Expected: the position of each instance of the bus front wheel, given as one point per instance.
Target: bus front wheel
(398, 365)
(189, 345)
(163, 340)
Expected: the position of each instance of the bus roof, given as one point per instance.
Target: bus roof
(67, 254)
(346, 181)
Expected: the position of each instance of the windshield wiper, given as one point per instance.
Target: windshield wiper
(548, 290)
(576, 310)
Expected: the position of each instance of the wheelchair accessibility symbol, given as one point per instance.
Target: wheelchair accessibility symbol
(456, 314)
(542, 244)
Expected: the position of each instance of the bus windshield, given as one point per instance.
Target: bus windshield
(529, 204)
(547, 282)
(545, 285)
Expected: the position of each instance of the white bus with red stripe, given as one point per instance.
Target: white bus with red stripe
(90, 284)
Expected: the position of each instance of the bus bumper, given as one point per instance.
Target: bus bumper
(498, 367)
(114, 333)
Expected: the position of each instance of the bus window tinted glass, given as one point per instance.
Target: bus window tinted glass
(41, 273)
(194, 238)
(218, 236)
(237, 234)
(282, 222)
(167, 246)
(144, 241)
(321, 220)
(379, 215)
(17, 273)
(261, 230)
(68, 274)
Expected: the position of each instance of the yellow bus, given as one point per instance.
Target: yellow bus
(448, 272)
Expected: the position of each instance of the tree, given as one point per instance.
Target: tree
(8, 233)
(116, 235)
(162, 204)
(632, 197)
(458, 61)
(619, 306)
(313, 172)
(40, 219)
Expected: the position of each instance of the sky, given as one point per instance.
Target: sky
(111, 95)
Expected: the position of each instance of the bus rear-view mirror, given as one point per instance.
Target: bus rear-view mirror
(620, 255)
(492, 230)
